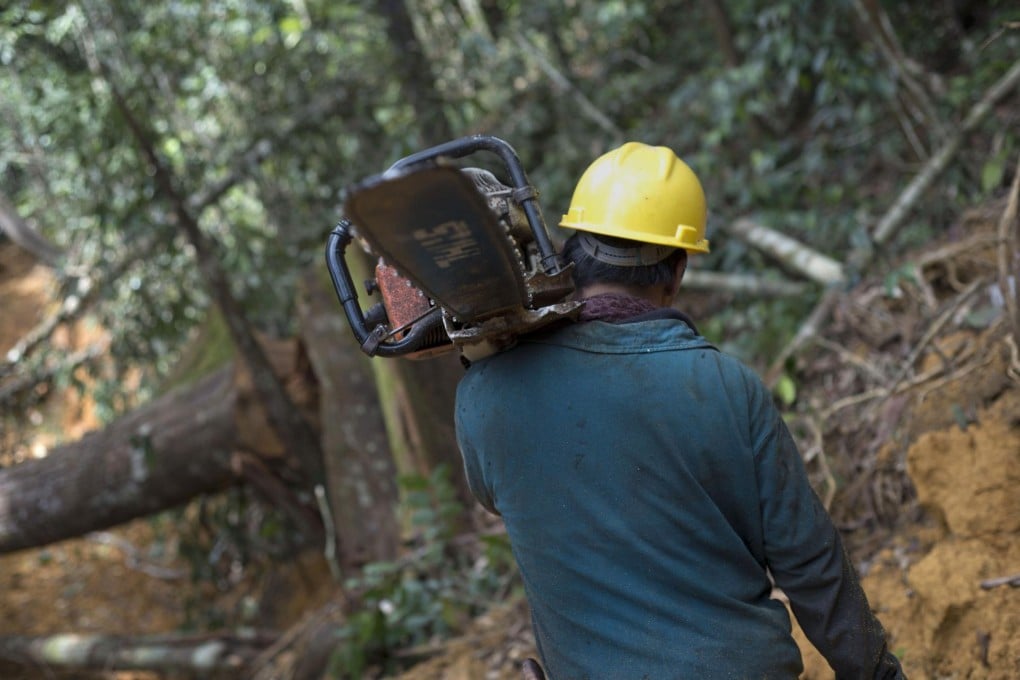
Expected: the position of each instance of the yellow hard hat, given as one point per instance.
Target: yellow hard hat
(642, 193)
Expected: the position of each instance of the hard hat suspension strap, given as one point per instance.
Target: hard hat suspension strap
(640, 256)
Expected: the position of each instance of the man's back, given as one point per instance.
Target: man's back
(627, 463)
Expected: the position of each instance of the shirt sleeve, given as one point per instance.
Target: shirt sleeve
(806, 556)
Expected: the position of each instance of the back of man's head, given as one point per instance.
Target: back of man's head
(613, 260)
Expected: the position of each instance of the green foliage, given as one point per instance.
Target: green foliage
(759, 329)
(893, 280)
(210, 349)
(787, 110)
(428, 595)
(786, 390)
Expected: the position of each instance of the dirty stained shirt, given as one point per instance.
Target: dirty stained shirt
(648, 485)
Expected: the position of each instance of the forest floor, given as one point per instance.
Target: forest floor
(908, 412)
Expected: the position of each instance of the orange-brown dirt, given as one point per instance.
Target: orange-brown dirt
(908, 408)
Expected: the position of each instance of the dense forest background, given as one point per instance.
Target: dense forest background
(177, 166)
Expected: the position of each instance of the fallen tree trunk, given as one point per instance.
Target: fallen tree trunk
(201, 655)
(165, 453)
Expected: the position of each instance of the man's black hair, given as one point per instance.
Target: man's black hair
(588, 270)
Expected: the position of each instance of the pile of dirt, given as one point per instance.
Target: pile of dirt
(26, 290)
(955, 610)
(915, 410)
(946, 586)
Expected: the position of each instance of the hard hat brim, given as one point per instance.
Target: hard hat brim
(699, 246)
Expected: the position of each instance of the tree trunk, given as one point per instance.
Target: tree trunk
(719, 19)
(416, 78)
(419, 399)
(360, 473)
(171, 450)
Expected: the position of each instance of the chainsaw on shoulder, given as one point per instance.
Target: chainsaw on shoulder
(465, 262)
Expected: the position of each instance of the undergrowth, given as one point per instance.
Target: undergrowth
(404, 606)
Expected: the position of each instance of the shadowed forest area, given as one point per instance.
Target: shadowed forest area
(201, 474)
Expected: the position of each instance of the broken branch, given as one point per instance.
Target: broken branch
(1009, 249)
(789, 252)
(162, 653)
(742, 284)
(896, 215)
(1012, 581)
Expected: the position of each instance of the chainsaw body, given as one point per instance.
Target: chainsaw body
(465, 261)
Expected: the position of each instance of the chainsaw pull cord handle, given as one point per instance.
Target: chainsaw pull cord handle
(371, 341)
(524, 193)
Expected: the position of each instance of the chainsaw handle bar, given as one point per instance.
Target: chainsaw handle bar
(371, 341)
(524, 193)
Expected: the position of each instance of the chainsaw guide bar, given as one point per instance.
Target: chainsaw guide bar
(432, 226)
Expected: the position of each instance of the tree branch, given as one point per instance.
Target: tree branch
(21, 233)
(26, 381)
(1009, 255)
(877, 26)
(71, 308)
(260, 150)
(532, 53)
(742, 284)
(895, 216)
(789, 252)
(284, 417)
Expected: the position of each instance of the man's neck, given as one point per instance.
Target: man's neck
(654, 294)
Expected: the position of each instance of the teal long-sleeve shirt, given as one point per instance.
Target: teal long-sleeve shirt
(648, 486)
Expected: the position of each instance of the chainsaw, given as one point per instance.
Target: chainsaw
(464, 262)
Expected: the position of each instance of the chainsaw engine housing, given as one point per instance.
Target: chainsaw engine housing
(465, 261)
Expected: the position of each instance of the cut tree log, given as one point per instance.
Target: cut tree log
(198, 438)
(165, 453)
